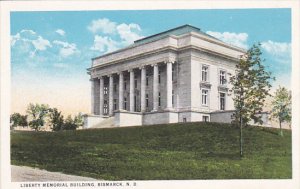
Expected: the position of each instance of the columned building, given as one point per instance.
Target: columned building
(180, 75)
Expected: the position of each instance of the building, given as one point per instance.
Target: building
(180, 75)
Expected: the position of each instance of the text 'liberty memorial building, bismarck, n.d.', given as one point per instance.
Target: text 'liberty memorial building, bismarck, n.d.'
(179, 75)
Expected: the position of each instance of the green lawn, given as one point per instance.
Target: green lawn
(177, 151)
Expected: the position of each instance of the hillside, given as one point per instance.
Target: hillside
(175, 151)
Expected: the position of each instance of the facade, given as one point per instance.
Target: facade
(180, 75)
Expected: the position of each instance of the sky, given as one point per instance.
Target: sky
(51, 50)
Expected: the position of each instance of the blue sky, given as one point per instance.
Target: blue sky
(50, 51)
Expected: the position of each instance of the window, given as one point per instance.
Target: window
(105, 107)
(222, 101)
(115, 104)
(184, 120)
(204, 97)
(125, 103)
(135, 108)
(147, 79)
(105, 90)
(125, 85)
(172, 97)
(204, 73)
(222, 77)
(147, 100)
(205, 118)
(159, 101)
(115, 87)
(173, 72)
(159, 73)
(135, 83)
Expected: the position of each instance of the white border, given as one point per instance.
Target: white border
(7, 6)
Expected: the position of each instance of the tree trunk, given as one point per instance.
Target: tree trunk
(241, 136)
(281, 134)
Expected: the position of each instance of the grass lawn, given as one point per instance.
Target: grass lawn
(175, 151)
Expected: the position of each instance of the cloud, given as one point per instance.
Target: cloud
(29, 41)
(41, 44)
(103, 25)
(236, 39)
(66, 49)
(60, 32)
(110, 36)
(281, 52)
(129, 32)
(104, 44)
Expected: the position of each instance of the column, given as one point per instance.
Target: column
(143, 89)
(93, 82)
(155, 87)
(101, 100)
(111, 95)
(131, 91)
(121, 91)
(169, 85)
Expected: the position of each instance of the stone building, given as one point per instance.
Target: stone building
(179, 75)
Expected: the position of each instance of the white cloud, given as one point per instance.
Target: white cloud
(104, 44)
(280, 51)
(28, 31)
(66, 49)
(60, 32)
(103, 25)
(129, 32)
(113, 35)
(236, 39)
(41, 44)
(14, 39)
(28, 41)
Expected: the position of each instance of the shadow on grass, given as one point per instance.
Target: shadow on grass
(271, 131)
(224, 155)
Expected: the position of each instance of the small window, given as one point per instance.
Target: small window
(115, 87)
(135, 83)
(184, 120)
(135, 107)
(205, 118)
(172, 97)
(105, 90)
(159, 73)
(115, 104)
(147, 100)
(173, 72)
(125, 86)
(147, 79)
(159, 100)
(204, 73)
(125, 103)
(222, 77)
(105, 107)
(222, 101)
(204, 97)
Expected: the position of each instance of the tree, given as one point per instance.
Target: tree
(250, 85)
(37, 113)
(16, 119)
(282, 106)
(56, 119)
(78, 120)
(69, 124)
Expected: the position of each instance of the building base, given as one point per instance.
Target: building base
(126, 118)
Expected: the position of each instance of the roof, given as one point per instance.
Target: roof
(174, 31)
(180, 30)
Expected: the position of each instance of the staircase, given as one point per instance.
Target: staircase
(107, 123)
